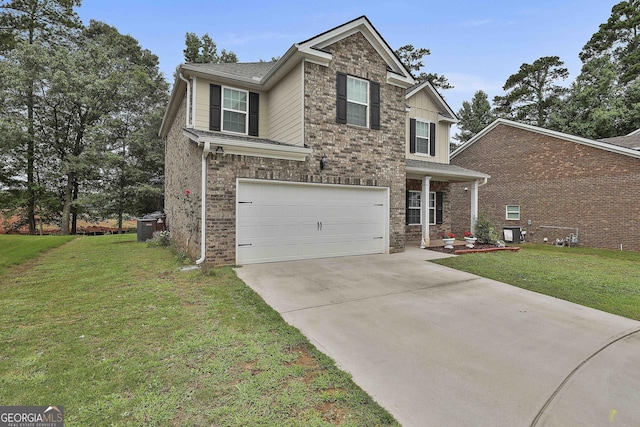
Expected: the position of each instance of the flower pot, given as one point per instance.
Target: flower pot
(470, 241)
(448, 243)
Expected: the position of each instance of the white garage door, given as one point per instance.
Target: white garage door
(279, 221)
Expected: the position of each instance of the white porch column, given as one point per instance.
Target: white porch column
(474, 206)
(424, 208)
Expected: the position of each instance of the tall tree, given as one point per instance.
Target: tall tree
(533, 91)
(202, 50)
(618, 39)
(605, 98)
(102, 89)
(595, 106)
(474, 116)
(412, 59)
(28, 30)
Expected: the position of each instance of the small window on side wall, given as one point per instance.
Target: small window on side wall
(513, 212)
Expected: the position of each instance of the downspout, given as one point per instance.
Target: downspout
(188, 97)
(203, 204)
(474, 202)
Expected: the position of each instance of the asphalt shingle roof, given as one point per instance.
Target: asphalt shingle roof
(204, 133)
(240, 69)
(628, 141)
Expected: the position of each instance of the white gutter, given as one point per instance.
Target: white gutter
(203, 204)
(188, 97)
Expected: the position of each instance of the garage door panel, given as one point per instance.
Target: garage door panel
(281, 221)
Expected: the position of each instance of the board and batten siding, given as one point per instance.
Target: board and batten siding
(203, 92)
(423, 108)
(284, 109)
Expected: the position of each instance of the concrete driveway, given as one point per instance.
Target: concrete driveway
(439, 347)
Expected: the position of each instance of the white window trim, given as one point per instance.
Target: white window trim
(246, 113)
(420, 153)
(513, 212)
(419, 208)
(434, 208)
(366, 104)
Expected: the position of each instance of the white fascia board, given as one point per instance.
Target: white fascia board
(251, 148)
(179, 88)
(317, 57)
(446, 119)
(435, 174)
(400, 81)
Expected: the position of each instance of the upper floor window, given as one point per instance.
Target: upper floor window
(422, 137)
(234, 110)
(358, 101)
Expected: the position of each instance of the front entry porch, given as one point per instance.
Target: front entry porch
(428, 199)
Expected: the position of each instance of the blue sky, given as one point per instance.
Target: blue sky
(475, 44)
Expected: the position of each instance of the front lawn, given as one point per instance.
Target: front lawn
(607, 280)
(111, 329)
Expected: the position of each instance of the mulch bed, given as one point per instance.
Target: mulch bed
(461, 249)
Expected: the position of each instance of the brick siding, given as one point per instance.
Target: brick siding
(182, 173)
(356, 156)
(556, 183)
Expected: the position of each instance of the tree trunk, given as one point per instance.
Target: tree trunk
(74, 209)
(120, 222)
(31, 186)
(66, 207)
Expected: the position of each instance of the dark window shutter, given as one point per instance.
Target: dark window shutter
(215, 111)
(254, 108)
(412, 135)
(374, 88)
(439, 210)
(406, 211)
(432, 139)
(341, 98)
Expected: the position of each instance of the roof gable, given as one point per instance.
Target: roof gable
(362, 25)
(446, 113)
(266, 74)
(552, 133)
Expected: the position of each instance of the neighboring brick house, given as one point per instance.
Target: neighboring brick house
(310, 156)
(553, 184)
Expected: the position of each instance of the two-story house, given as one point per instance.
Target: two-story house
(332, 150)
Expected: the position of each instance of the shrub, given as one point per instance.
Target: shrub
(160, 238)
(485, 230)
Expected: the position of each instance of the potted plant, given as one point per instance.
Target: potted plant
(448, 239)
(470, 239)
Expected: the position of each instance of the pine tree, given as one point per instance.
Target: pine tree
(474, 116)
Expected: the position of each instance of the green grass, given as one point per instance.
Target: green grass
(603, 279)
(113, 331)
(16, 249)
